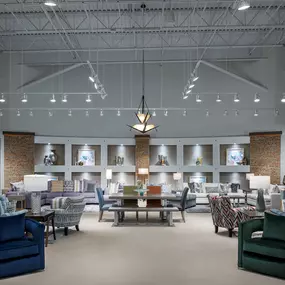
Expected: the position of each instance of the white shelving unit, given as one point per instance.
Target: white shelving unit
(214, 170)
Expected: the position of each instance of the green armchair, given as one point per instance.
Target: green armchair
(264, 255)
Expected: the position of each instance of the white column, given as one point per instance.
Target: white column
(216, 161)
(68, 161)
(104, 163)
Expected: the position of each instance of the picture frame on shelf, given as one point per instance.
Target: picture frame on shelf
(86, 156)
(198, 179)
(235, 156)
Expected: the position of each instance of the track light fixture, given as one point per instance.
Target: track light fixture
(276, 112)
(185, 95)
(256, 98)
(256, 113)
(154, 113)
(184, 113)
(283, 98)
(24, 98)
(236, 98)
(70, 113)
(226, 112)
(237, 113)
(86, 113)
(101, 113)
(218, 100)
(118, 113)
(1, 113)
(198, 99)
(18, 113)
(31, 114)
(166, 113)
(243, 5)
(194, 76)
(52, 99)
(88, 98)
(64, 98)
(91, 78)
(2, 99)
(50, 3)
(207, 113)
(50, 113)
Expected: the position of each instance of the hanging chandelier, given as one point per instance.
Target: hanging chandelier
(143, 114)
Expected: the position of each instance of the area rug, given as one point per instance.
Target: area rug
(199, 209)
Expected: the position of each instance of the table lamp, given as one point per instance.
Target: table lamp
(176, 177)
(143, 172)
(109, 174)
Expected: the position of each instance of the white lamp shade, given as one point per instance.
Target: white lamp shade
(248, 175)
(259, 182)
(143, 171)
(36, 183)
(109, 174)
(177, 176)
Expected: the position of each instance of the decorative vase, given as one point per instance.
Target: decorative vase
(53, 157)
(36, 202)
(260, 203)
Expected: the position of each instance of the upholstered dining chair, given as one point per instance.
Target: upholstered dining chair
(103, 206)
(181, 205)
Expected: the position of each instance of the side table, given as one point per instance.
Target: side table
(44, 217)
(18, 198)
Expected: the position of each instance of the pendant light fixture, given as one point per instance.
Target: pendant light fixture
(143, 114)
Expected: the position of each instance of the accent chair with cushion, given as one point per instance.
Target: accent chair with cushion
(68, 212)
(224, 215)
(20, 254)
(265, 255)
(103, 206)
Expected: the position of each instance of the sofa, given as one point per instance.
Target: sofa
(19, 253)
(264, 254)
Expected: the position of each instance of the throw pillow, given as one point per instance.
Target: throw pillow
(57, 186)
(57, 202)
(192, 187)
(274, 227)
(198, 187)
(12, 227)
(68, 186)
(17, 186)
(235, 187)
(212, 189)
(91, 186)
(78, 185)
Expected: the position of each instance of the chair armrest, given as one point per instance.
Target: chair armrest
(245, 231)
(35, 228)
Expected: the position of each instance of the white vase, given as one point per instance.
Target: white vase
(36, 202)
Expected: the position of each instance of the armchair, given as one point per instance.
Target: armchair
(224, 215)
(264, 255)
(20, 254)
(103, 206)
(68, 212)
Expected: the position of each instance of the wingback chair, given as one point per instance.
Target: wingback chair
(224, 215)
(68, 212)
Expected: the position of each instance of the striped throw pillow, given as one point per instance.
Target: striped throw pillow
(58, 202)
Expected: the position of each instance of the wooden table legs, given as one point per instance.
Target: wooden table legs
(47, 230)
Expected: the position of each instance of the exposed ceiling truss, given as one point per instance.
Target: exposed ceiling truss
(76, 26)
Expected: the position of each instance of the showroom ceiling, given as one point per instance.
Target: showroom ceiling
(74, 26)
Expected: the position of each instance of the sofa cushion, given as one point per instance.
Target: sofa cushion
(89, 195)
(68, 186)
(274, 227)
(52, 195)
(71, 194)
(267, 247)
(18, 248)
(12, 227)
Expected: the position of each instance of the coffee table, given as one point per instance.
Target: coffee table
(44, 217)
(252, 214)
(18, 198)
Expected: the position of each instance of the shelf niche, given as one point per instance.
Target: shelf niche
(96, 148)
(161, 178)
(223, 152)
(166, 150)
(192, 152)
(126, 178)
(235, 177)
(208, 175)
(94, 176)
(59, 175)
(44, 149)
(125, 151)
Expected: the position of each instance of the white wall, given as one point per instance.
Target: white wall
(123, 84)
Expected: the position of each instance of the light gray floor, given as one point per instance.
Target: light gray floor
(185, 254)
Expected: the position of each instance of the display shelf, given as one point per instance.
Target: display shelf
(224, 147)
(201, 168)
(208, 175)
(77, 147)
(94, 176)
(124, 151)
(41, 150)
(234, 177)
(192, 152)
(157, 168)
(76, 168)
(50, 168)
(168, 151)
(122, 169)
(234, 168)
(161, 178)
(59, 175)
(126, 178)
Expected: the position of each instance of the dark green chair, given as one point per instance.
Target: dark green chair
(265, 255)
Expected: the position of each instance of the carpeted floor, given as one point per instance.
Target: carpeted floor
(100, 254)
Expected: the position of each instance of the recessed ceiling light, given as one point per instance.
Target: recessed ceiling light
(243, 5)
(50, 3)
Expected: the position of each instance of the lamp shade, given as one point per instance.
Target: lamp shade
(248, 175)
(143, 171)
(177, 176)
(109, 174)
(259, 182)
(36, 183)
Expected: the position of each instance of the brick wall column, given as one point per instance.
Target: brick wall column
(265, 155)
(142, 155)
(19, 149)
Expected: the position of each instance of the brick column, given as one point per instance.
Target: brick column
(19, 149)
(265, 155)
(142, 155)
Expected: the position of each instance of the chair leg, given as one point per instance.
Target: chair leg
(100, 216)
(77, 227)
(216, 229)
(183, 216)
(66, 231)
(230, 232)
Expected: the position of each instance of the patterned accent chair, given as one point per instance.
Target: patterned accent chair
(68, 212)
(224, 215)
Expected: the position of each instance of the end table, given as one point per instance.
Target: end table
(18, 198)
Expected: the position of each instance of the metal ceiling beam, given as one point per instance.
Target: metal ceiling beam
(234, 75)
(40, 80)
